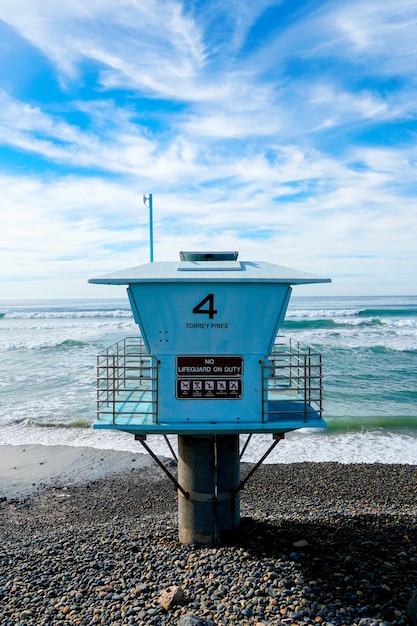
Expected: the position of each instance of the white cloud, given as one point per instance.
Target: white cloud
(384, 30)
(150, 44)
(117, 147)
(364, 104)
(247, 153)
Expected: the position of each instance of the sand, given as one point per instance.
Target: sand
(27, 469)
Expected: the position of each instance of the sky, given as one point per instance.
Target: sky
(283, 130)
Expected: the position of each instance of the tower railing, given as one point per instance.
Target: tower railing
(291, 374)
(127, 382)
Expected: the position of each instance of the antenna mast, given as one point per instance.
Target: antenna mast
(147, 201)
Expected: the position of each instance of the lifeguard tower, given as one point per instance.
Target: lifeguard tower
(208, 366)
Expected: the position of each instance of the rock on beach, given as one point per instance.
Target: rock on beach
(319, 544)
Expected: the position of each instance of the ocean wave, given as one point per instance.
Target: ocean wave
(391, 423)
(336, 424)
(388, 312)
(80, 422)
(345, 352)
(311, 323)
(380, 349)
(329, 323)
(76, 423)
(71, 343)
(123, 313)
(351, 313)
(321, 313)
(43, 345)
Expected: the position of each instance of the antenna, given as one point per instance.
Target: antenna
(147, 201)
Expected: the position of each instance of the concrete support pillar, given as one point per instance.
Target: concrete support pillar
(208, 469)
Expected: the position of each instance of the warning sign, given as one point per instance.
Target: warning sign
(209, 377)
(202, 389)
(210, 366)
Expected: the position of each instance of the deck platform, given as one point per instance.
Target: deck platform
(283, 418)
(129, 395)
(134, 411)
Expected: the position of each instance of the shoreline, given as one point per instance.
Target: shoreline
(28, 469)
(365, 446)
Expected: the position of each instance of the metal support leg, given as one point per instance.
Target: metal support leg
(245, 446)
(141, 439)
(277, 438)
(167, 441)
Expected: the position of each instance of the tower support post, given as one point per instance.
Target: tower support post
(209, 471)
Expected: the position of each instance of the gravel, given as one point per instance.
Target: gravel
(319, 544)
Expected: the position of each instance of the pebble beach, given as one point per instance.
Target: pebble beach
(320, 543)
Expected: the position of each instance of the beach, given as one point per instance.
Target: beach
(320, 543)
(28, 469)
(88, 524)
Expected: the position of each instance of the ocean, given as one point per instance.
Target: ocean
(369, 348)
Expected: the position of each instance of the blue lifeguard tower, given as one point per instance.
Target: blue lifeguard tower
(208, 366)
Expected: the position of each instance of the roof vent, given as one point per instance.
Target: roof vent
(209, 256)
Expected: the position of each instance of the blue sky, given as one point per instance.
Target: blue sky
(285, 130)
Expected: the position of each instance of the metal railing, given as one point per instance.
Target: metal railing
(291, 374)
(127, 382)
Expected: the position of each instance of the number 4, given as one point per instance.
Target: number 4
(210, 311)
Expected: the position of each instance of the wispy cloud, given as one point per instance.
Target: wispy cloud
(284, 131)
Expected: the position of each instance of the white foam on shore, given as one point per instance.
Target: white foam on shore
(371, 446)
